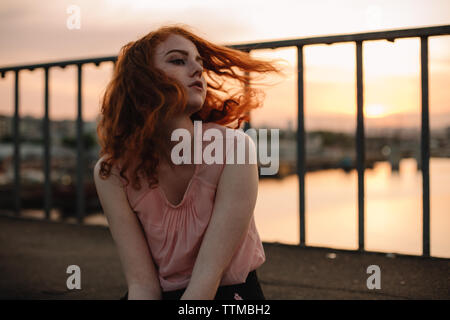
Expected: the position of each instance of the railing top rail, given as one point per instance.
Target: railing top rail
(61, 64)
(389, 35)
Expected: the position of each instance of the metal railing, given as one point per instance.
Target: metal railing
(80, 207)
(357, 38)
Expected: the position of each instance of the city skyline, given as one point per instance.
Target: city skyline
(410, 126)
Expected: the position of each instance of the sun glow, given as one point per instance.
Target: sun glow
(375, 111)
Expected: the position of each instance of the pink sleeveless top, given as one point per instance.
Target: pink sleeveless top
(174, 233)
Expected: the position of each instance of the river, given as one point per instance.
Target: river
(393, 217)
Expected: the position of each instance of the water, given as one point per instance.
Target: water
(393, 219)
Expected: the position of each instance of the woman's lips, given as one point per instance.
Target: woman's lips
(197, 87)
(197, 84)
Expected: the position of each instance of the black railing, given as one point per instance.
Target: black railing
(357, 38)
(80, 207)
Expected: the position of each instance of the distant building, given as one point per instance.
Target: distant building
(32, 128)
(5, 126)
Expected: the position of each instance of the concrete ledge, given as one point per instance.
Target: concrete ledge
(35, 254)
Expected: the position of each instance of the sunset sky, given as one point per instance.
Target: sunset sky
(36, 31)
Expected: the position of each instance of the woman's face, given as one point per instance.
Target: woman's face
(178, 58)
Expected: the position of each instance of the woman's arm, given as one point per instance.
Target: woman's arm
(137, 262)
(233, 209)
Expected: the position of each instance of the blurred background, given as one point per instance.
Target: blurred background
(34, 32)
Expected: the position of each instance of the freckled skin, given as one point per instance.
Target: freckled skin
(184, 68)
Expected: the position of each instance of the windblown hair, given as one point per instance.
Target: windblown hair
(140, 99)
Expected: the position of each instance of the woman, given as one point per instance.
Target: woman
(182, 231)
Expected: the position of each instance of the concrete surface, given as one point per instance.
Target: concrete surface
(35, 254)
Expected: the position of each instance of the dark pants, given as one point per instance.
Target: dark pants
(250, 290)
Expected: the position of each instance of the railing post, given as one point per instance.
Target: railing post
(301, 145)
(16, 128)
(47, 148)
(247, 124)
(425, 148)
(80, 152)
(360, 152)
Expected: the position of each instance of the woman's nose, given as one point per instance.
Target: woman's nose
(197, 69)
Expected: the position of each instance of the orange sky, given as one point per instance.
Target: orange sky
(32, 31)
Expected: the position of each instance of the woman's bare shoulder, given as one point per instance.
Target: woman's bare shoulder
(113, 178)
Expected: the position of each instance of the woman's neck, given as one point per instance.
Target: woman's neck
(181, 122)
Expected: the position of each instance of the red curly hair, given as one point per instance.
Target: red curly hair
(140, 98)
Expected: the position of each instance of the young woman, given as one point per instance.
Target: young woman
(183, 231)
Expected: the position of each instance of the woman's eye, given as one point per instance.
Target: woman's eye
(178, 61)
